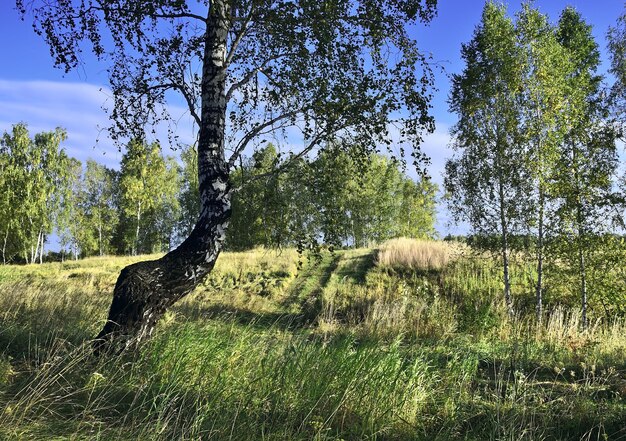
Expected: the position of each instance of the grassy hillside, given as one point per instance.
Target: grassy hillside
(353, 346)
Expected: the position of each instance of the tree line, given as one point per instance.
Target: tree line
(535, 143)
(152, 202)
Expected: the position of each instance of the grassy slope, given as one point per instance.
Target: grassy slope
(337, 350)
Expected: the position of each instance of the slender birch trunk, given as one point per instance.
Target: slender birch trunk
(100, 239)
(41, 248)
(540, 233)
(583, 285)
(135, 250)
(505, 250)
(34, 251)
(581, 242)
(4, 247)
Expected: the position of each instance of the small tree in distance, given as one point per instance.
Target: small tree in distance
(36, 177)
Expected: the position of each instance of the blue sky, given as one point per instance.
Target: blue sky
(32, 91)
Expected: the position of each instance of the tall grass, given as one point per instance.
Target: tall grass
(346, 350)
(415, 254)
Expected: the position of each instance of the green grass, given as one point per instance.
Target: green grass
(341, 349)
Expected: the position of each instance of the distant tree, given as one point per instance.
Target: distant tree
(616, 37)
(327, 69)
(333, 177)
(189, 196)
(262, 214)
(138, 188)
(416, 216)
(299, 222)
(488, 181)
(71, 218)
(36, 171)
(98, 207)
(7, 205)
(370, 201)
(148, 185)
(171, 209)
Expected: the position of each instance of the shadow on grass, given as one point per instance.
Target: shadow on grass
(580, 419)
(246, 317)
(354, 268)
(306, 289)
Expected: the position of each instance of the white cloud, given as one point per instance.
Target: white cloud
(45, 105)
(78, 108)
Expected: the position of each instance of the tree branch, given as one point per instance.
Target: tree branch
(238, 84)
(239, 37)
(190, 103)
(157, 15)
(182, 15)
(250, 75)
(184, 93)
(315, 141)
(256, 131)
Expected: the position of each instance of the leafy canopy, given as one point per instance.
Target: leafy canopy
(319, 67)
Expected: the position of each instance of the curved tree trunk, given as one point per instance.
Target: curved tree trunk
(145, 290)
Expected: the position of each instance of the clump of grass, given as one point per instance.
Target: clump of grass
(415, 254)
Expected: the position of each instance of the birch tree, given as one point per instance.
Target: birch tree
(99, 209)
(487, 181)
(616, 37)
(583, 179)
(243, 68)
(148, 186)
(37, 170)
(70, 220)
(189, 196)
(7, 204)
(543, 119)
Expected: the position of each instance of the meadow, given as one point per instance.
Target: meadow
(409, 341)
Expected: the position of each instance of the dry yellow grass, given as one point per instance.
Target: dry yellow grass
(415, 254)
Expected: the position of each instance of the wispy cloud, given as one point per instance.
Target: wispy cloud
(78, 108)
(45, 105)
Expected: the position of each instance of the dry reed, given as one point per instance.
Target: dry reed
(415, 254)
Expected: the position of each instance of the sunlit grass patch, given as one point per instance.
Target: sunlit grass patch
(415, 254)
